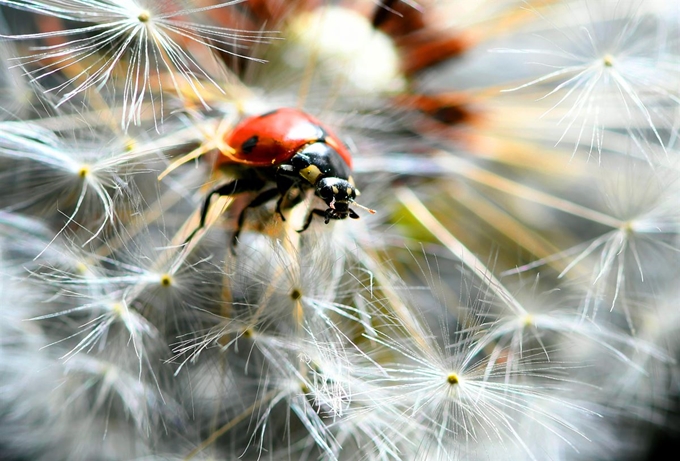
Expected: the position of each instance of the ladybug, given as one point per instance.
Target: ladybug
(296, 152)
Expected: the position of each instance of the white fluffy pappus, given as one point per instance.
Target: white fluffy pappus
(611, 67)
(70, 182)
(154, 37)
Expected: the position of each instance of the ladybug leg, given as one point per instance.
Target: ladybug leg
(311, 214)
(326, 215)
(278, 206)
(234, 187)
(293, 196)
(263, 198)
(288, 183)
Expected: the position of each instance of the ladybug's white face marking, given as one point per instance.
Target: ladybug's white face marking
(311, 173)
(336, 191)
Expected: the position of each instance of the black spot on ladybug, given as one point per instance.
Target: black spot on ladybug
(249, 144)
(267, 114)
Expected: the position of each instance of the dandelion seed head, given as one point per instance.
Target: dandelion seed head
(119, 341)
(346, 44)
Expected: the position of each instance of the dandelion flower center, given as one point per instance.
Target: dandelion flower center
(82, 268)
(628, 227)
(130, 144)
(452, 379)
(119, 309)
(84, 171)
(295, 294)
(608, 60)
(166, 280)
(144, 16)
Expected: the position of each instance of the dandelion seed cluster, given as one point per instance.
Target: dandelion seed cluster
(514, 297)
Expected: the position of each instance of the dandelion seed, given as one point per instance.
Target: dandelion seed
(373, 433)
(450, 388)
(81, 179)
(278, 293)
(643, 200)
(16, 92)
(106, 381)
(613, 69)
(462, 400)
(290, 384)
(152, 36)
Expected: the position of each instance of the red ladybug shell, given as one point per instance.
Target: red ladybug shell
(274, 137)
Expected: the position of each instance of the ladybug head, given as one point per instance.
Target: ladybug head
(338, 194)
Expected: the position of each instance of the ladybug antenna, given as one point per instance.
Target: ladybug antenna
(364, 207)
